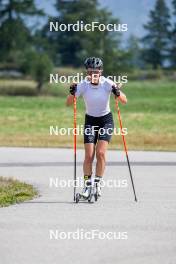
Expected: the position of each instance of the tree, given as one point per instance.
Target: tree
(69, 43)
(108, 45)
(156, 42)
(173, 45)
(37, 65)
(134, 51)
(14, 34)
(73, 47)
(174, 6)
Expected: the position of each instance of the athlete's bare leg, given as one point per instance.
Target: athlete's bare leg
(89, 157)
(101, 148)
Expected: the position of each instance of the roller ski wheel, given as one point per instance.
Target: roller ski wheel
(77, 198)
(96, 197)
(90, 198)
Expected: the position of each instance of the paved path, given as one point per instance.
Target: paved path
(148, 227)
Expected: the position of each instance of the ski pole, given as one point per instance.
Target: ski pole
(125, 148)
(74, 107)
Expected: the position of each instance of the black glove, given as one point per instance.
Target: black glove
(73, 88)
(116, 90)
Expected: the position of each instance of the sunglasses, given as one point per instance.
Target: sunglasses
(93, 71)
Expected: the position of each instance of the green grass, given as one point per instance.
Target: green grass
(13, 191)
(149, 117)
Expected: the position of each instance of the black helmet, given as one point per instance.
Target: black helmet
(92, 62)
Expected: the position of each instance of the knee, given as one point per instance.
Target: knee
(100, 154)
(88, 158)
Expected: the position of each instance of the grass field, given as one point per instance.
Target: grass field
(149, 117)
(13, 191)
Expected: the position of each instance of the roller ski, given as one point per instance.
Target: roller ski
(91, 191)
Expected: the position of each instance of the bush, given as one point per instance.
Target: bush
(146, 75)
(16, 91)
(17, 87)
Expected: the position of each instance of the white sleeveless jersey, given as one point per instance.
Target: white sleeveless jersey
(96, 97)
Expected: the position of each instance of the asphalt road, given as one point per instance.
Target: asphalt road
(52, 229)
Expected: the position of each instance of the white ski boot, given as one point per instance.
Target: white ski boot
(87, 188)
(97, 183)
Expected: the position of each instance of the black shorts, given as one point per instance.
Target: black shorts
(98, 128)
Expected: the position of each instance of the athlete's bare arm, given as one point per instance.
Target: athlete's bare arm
(69, 100)
(122, 98)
